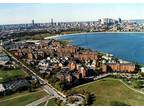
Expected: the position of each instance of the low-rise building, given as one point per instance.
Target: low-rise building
(4, 59)
(64, 76)
(2, 89)
(82, 71)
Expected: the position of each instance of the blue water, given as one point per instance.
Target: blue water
(128, 46)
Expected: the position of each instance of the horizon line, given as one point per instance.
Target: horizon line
(41, 22)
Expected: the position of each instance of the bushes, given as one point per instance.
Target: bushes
(117, 103)
(72, 99)
(89, 97)
(56, 101)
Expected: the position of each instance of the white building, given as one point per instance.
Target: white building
(2, 89)
(142, 69)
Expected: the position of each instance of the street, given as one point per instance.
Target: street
(48, 88)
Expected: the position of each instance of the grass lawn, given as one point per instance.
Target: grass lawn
(40, 36)
(109, 90)
(51, 102)
(7, 74)
(21, 99)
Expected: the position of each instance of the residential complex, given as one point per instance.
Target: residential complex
(57, 66)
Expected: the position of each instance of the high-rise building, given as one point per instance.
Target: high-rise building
(119, 20)
(33, 23)
(104, 20)
(52, 22)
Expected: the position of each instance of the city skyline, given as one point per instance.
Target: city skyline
(16, 13)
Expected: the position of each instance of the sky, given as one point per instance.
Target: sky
(15, 13)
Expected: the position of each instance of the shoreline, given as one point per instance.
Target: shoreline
(82, 33)
(119, 58)
(58, 36)
(99, 32)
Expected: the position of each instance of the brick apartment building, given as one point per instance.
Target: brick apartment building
(67, 50)
(64, 76)
(86, 56)
(117, 67)
(82, 71)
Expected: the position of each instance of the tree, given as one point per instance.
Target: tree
(64, 85)
(71, 99)
(137, 84)
(97, 72)
(59, 102)
(117, 103)
(70, 92)
(82, 91)
(89, 98)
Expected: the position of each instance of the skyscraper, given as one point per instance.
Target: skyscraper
(52, 21)
(33, 23)
(119, 20)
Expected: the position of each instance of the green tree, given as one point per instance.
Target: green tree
(117, 103)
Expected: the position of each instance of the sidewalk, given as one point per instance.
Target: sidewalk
(37, 102)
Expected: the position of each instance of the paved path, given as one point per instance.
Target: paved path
(80, 100)
(135, 90)
(52, 92)
(102, 76)
(39, 101)
(131, 87)
(46, 102)
(98, 77)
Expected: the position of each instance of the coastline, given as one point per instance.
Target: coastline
(51, 37)
(58, 36)
(121, 59)
(98, 32)
(55, 36)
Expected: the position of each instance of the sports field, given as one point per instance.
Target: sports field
(109, 91)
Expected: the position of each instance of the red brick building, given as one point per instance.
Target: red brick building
(30, 56)
(72, 65)
(64, 76)
(66, 50)
(104, 69)
(117, 67)
(56, 43)
(86, 56)
(82, 71)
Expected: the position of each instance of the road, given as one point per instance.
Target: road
(102, 76)
(48, 88)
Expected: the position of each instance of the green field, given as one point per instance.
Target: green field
(108, 91)
(51, 102)
(21, 99)
(40, 36)
(7, 74)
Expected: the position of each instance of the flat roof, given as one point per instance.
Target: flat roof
(120, 64)
(2, 88)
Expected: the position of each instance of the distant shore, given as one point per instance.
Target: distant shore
(55, 36)
(98, 32)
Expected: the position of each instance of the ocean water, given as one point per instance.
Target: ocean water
(128, 46)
